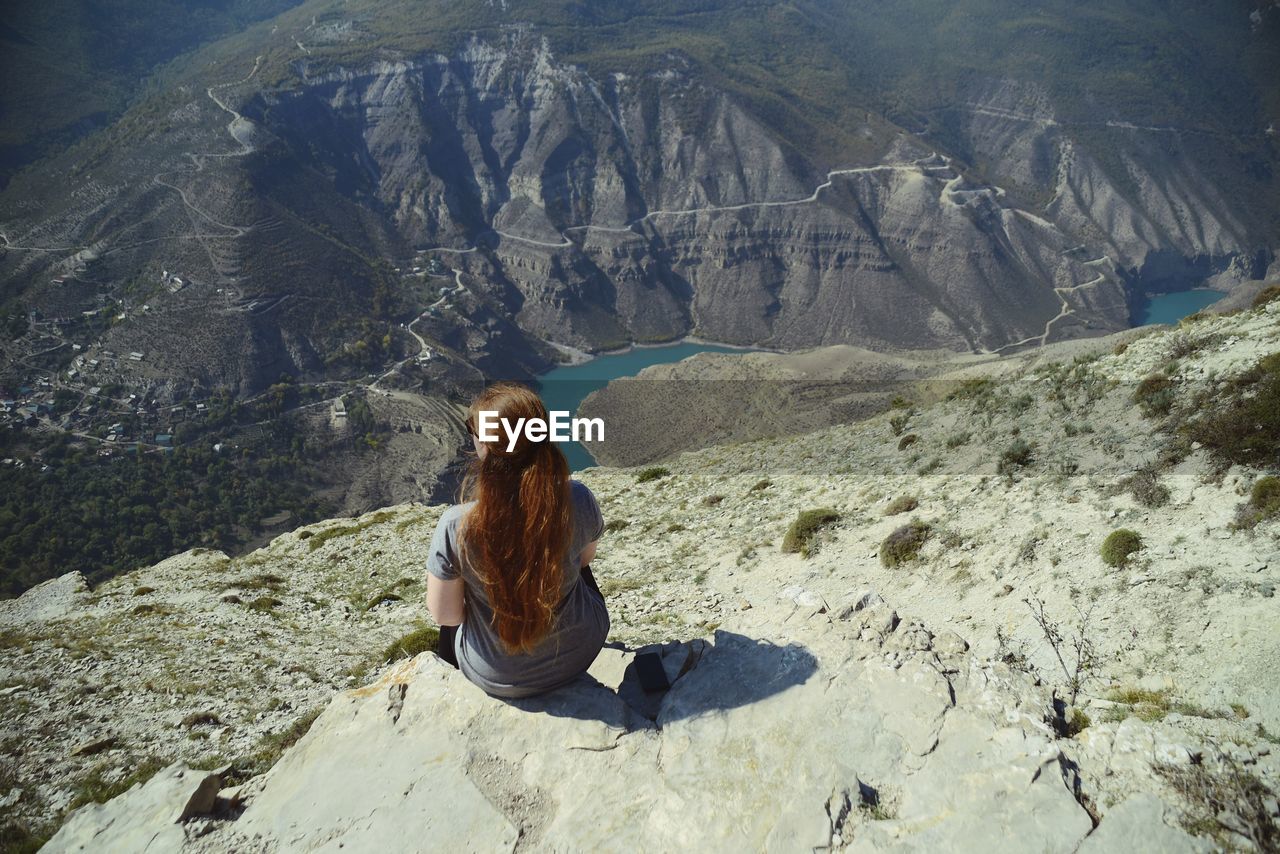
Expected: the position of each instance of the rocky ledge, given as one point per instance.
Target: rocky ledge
(799, 728)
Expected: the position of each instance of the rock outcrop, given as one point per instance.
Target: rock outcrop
(794, 731)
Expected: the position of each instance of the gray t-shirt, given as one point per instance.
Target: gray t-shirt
(582, 621)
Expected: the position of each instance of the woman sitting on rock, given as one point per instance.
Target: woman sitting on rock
(509, 583)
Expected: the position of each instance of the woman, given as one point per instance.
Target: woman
(509, 567)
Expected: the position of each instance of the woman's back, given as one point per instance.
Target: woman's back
(579, 630)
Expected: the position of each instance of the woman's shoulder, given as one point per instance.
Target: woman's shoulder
(586, 511)
(581, 492)
(452, 514)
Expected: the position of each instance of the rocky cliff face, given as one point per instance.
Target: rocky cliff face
(852, 695)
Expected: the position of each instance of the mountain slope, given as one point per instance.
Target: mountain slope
(231, 651)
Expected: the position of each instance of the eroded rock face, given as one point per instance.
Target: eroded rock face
(594, 210)
(635, 208)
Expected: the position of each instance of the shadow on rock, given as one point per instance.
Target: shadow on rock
(705, 677)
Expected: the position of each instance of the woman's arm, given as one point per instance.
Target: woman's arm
(444, 600)
(588, 553)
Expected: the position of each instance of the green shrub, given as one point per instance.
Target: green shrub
(803, 532)
(907, 441)
(1017, 455)
(1265, 495)
(971, 389)
(1154, 395)
(651, 473)
(384, 596)
(901, 504)
(904, 543)
(422, 639)
(1242, 423)
(616, 525)
(761, 486)
(898, 423)
(1263, 504)
(1119, 546)
(143, 591)
(711, 500)
(264, 603)
(1077, 723)
(955, 440)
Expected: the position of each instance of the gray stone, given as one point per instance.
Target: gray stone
(93, 746)
(145, 818)
(466, 770)
(1140, 825)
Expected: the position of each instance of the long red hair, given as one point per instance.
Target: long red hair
(516, 536)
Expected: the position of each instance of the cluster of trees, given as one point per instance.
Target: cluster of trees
(372, 349)
(107, 516)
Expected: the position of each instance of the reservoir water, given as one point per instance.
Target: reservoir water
(1170, 308)
(565, 387)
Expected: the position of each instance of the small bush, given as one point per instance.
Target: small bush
(904, 543)
(1119, 547)
(616, 525)
(898, 423)
(1266, 295)
(1018, 455)
(143, 591)
(1227, 805)
(652, 473)
(423, 639)
(264, 604)
(1146, 488)
(955, 440)
(1243, 423)
(1263, 504)
(907, 441)
(1265, 495)
(1120, 348)
(1144, 704)
(711, 500)
(761, 486)
(1181, 344)
(899, 402)
(804, 530)
(384, 596)
(1077, 723)
(201, 719)
(901, 504)
(1154, 395)
(971, 389)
